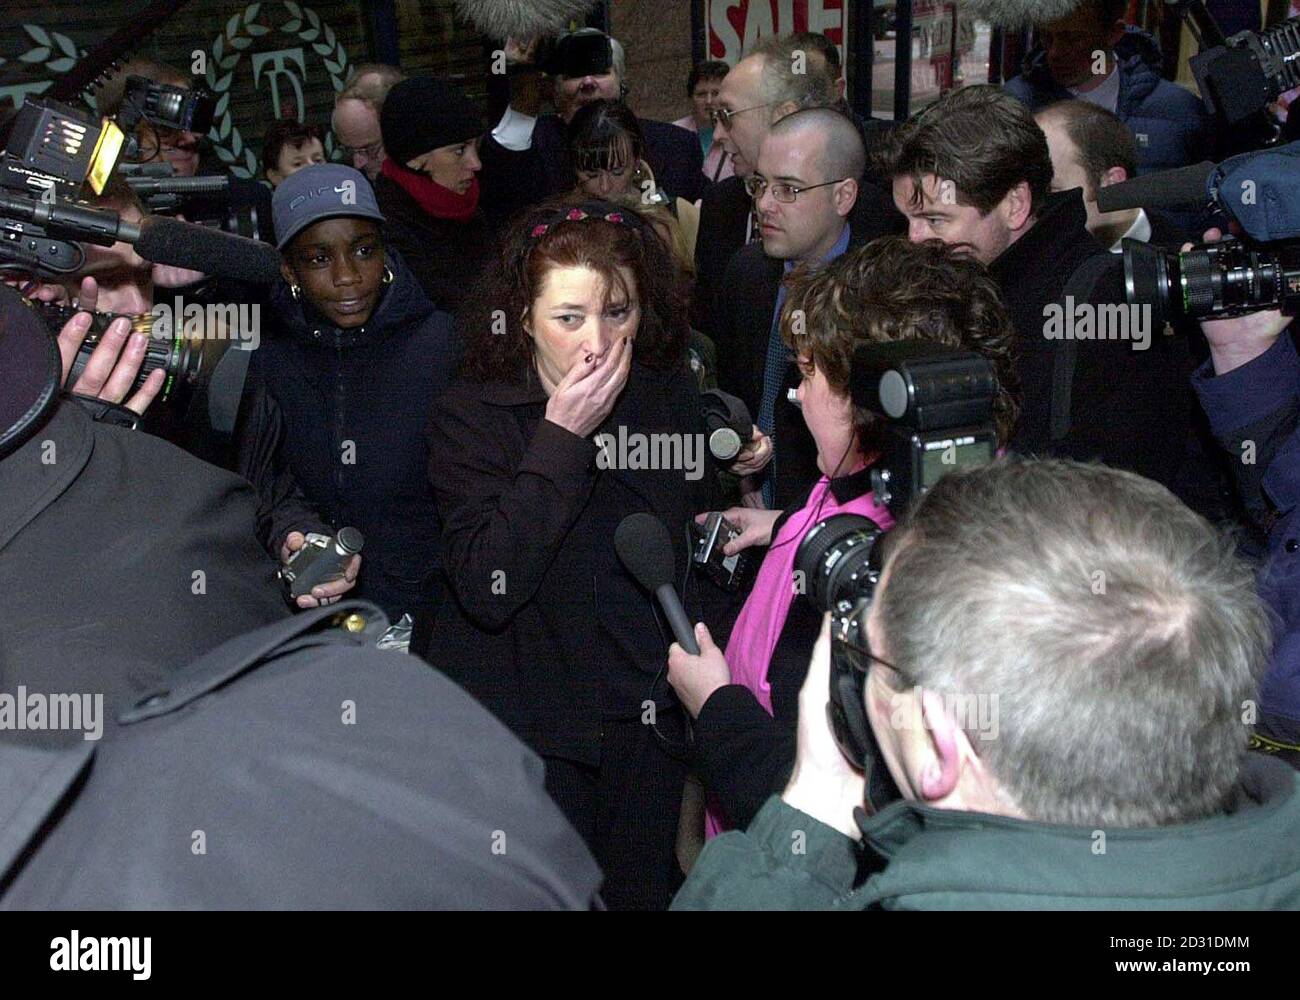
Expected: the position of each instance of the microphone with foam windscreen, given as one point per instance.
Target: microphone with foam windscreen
(1181, 188)
(158, 239)
(522, 19)
(643, 546)
(1018, 13)
(184, 244)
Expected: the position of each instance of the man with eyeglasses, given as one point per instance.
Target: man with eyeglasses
(356, 115)
(778, 76)
(804, 187)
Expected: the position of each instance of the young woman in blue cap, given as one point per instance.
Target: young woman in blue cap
(340, 389)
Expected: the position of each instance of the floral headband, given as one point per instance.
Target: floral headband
(592, 211)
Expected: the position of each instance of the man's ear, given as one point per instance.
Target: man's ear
(783, 109)
(286, 272)
(1017, 206)
(274, 176)
(1113, 175)
(939, 775)
(846, 194)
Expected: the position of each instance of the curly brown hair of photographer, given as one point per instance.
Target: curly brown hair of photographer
(892, 289)
(499, 349)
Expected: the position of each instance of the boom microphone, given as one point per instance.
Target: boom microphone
(158, 239)
(522, 19)
(184, 244)
(1019, 13)
(1179, 188)
(643, 546)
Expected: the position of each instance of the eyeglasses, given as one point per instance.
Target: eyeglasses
(721, 116)
(784, 193)
(370, 152)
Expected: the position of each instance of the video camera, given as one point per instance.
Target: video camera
(939, 406)
(1261, 192)
(1239, 77)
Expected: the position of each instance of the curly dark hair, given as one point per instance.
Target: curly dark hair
(499, 349)
(892, 289)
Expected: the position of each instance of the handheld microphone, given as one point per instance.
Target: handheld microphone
(643, 546)
(1179, 188)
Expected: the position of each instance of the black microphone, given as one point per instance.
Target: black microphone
(158, 239)
(146, 186)
(1179, 188)
(643, 546)
(183, 244)
(70, 221)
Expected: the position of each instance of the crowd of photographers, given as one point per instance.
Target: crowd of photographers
(1068, 676)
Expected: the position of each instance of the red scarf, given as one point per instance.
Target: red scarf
(436, 200)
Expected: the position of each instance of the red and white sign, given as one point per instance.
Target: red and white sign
(734, 25)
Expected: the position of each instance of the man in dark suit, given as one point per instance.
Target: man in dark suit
(1097, 381)
(805, 186)
(1091, 149)
(778, 76)
(526, 159)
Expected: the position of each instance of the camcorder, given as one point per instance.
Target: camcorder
(938, 404)
(322, 559)
(1260, 270)
(1240, 76)
(54, 154)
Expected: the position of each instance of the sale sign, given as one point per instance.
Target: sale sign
(734, 25)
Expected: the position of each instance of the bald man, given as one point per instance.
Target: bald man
(805, 185)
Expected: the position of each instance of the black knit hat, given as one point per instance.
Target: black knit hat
(421, 114)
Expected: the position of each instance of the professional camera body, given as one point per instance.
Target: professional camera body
(939, 404)
(1261, 192)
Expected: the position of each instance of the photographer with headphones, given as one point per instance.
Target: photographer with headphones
(1060, 657)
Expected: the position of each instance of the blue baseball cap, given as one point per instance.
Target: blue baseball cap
(321, 191)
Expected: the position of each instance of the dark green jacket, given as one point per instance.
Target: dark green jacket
(939, 859)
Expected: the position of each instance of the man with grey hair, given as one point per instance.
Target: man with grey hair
(356, 115)
(777, 77)
(804, 187)
(526, 159)
(1063, 668)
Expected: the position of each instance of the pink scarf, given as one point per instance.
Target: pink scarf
(758, 627)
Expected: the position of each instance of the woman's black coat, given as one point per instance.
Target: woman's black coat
(547, 628)
(333, 428)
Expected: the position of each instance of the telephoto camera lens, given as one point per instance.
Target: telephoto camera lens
(1211, 280)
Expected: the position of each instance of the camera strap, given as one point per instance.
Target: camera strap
(1066, 356)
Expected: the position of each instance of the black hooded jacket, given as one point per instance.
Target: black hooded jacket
(333, 434)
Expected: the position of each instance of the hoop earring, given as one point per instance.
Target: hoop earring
(295, 291)
(388, 275)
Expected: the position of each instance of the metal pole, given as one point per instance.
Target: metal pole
(861, 38)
